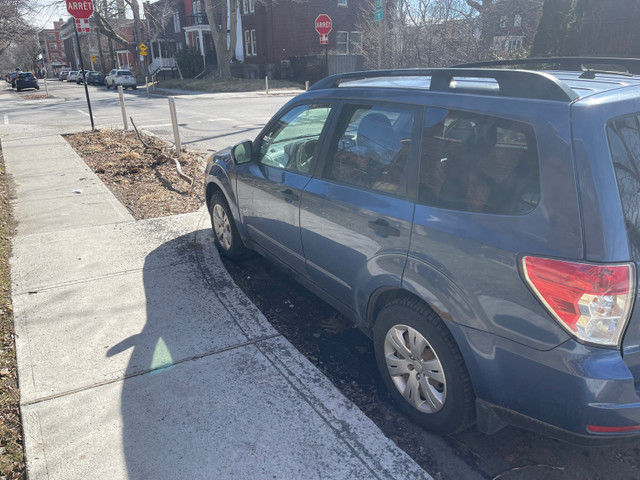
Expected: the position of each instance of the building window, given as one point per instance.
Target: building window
(248, 6)
(250, 43)
(342, 3)
(517, 21)
(355, 43)
(52, 37)
(503, 22)
(53, 47)
(514, 44)
(176, 22)
(342, 42)
(349, 43)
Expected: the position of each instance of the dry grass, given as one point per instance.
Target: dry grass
(11, 446)
(143, 179)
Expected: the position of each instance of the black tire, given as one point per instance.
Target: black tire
(225, 232)
(449, 406)
(107, 85)
(134, 87)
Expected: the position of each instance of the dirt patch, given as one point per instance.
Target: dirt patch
(34, 96)
(11, 443)
(143, 178)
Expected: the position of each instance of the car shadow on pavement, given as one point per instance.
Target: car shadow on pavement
(181, 369)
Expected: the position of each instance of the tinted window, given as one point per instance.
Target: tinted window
(478, 163)
(290, 143)
(370, 148)
(124, 72)
(624, 142)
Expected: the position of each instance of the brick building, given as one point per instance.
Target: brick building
(53, 55)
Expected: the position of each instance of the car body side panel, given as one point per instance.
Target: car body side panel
(468, 262)
(343, 245)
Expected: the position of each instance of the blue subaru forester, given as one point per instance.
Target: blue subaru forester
(481, 225)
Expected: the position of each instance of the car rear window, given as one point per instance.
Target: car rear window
(478, 163)
(124, 72)
(624, 143)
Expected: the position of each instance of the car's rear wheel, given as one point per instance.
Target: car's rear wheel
(106, 84)
(225, 232)
(422, 366)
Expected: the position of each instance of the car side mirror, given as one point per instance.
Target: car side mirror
(242, 152)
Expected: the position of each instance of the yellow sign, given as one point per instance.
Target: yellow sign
(143, 48)
(93, 59)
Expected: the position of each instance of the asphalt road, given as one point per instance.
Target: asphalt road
(210, 122)
(207, 122)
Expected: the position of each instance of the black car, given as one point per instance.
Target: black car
(94, 78)
(26, 80)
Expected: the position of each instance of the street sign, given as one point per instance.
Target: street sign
(82, 25)
(80, 8)
(378, 4)
(142, 48)
(323, 24)
(379, 15)
(93, 59)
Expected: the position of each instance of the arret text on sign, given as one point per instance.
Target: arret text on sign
(81, 6)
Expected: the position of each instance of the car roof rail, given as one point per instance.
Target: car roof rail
(563, 63)
(512, 83)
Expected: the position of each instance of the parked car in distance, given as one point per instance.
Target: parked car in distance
(26, 80)
(81, 76)
(64, 74)
(120, 77)
(73, 75)
(481, 225)
(94, 78)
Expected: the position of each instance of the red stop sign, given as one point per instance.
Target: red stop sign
(80, 8)
(323, 24)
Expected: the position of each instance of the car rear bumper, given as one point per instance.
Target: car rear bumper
(575, 390)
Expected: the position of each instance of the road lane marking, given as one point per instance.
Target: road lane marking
(6, 119)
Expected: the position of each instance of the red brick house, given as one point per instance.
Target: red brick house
(52, 46)
(275, 37)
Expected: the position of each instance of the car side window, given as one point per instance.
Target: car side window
(291, 142)
(478, 163)
(370, 148)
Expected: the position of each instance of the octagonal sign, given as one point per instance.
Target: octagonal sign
(323, 24)
(80, 8)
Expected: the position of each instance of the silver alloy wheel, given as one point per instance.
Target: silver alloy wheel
(415, 369)
(221, 226)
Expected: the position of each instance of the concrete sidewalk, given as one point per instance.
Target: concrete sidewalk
(140, 358)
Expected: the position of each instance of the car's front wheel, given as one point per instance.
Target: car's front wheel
(422, 366)
(225, 232)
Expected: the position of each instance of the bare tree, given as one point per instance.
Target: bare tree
(223, 19)
(13, 26)
(420, 33)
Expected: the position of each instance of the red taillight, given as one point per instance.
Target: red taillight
(598, 429)
(591, 301)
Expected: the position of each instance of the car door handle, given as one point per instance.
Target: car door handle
(289, 196)
(382, 228)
